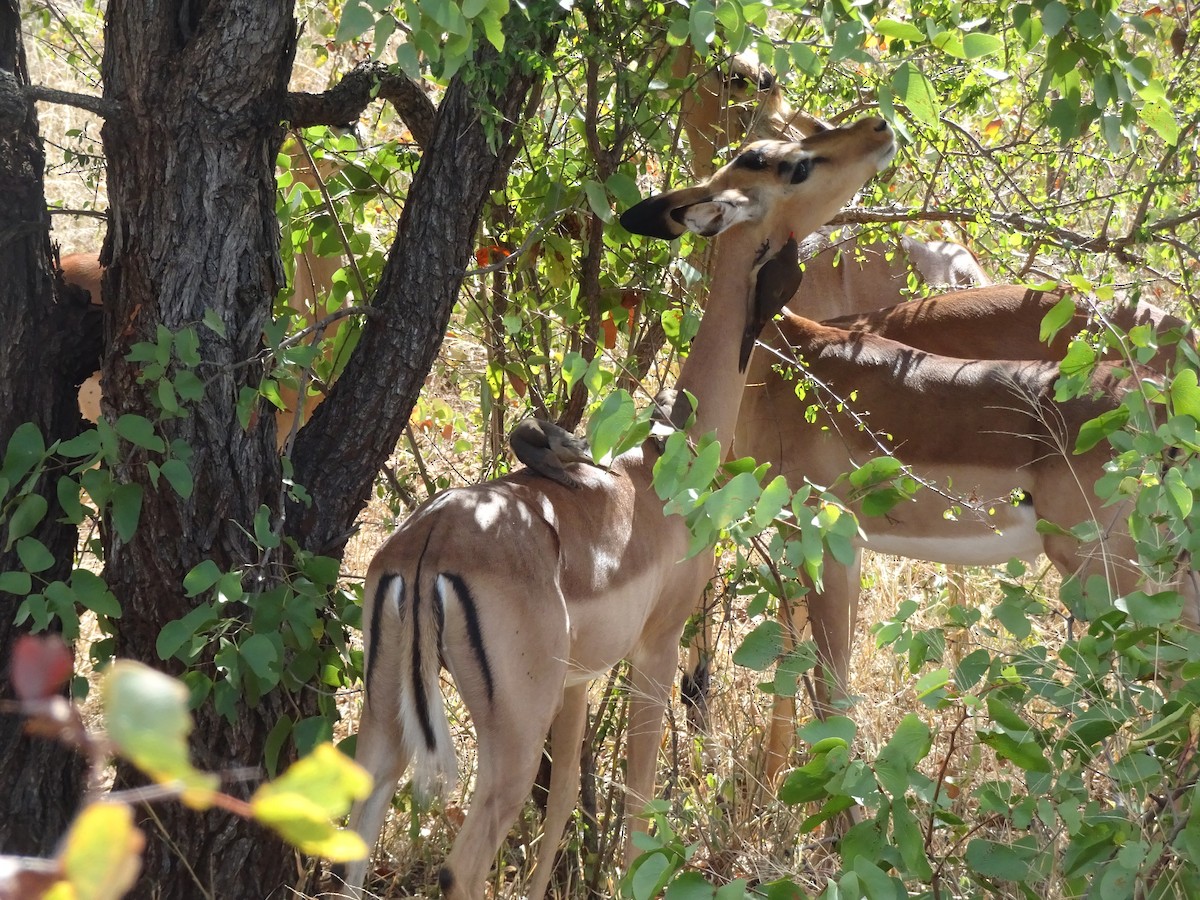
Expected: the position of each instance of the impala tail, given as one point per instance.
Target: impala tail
(406, 625)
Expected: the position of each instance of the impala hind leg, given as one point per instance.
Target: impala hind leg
(380, 750)
(833, 613)
(566, 741)
(528, 666)
(510, 745)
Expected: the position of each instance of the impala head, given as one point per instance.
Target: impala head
(772, 188)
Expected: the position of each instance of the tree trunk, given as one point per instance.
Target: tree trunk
(194, 235)
(190, 167)
(40, 782)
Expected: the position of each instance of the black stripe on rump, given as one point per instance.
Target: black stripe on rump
(419, 698)
(474, 634)
(381, 590)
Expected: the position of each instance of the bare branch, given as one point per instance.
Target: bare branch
(98, 105)
(348, 98)
(1062, 237)
(91, 213)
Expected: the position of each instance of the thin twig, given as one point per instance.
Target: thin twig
(91, 213)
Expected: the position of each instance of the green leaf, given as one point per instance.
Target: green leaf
(34, 555)
(1054, 17)
(26, 449)
(139, 431)
(932, 682)
(917, 93)
(703, 20)
(356, 19)
(732, 501)
(624, 188)
(994, 860)
(278, 735)
(201, 577)
(264, 534)
(598, 200)
(910, 839)
(211, 319)
(1056, 319)
(1153, 610)
(18, 583)
(818, 733)
(166, 397)
(93, 593)
(902, 31)
(179, 476)
(609, 425)
(1158, 115)
(27, 516)
(690, 886)
(1093, 431)
(876, 471)
(775, 496)
(83, 445)
(978, 44)
(910, 743)
(67, 492)
(178, 632)
(1025, 753)
(761, 647)
(126, 509)
(262, 656)
(303, 802)
(147, 720)
(493, 30)
(677, 33)
(1185, 394)
(1178, 494)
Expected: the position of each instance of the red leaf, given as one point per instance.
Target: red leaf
(40, 667)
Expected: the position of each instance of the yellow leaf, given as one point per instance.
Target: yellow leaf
(102, 853)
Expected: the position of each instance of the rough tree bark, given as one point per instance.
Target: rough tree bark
(201, 88)
(40, 782)
(193, 232)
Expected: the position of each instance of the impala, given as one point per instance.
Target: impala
(845, 275)
(526, 589)
(984, 430)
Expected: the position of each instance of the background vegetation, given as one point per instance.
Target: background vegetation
(1001, 747)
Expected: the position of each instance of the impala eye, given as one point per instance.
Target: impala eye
(801, 170)
(752, 159)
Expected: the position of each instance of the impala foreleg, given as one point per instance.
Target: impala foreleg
(566, 743)
(381, 751)
(833, 613)
(651, 672)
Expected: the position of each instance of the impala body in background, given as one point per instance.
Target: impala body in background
(987, 432)
(844, 272)
(528, 589)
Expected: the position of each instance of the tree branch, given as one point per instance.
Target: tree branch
(1063, 237)
(348, 98)
(98, 105)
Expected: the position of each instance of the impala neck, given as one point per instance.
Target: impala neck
(710, 372)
